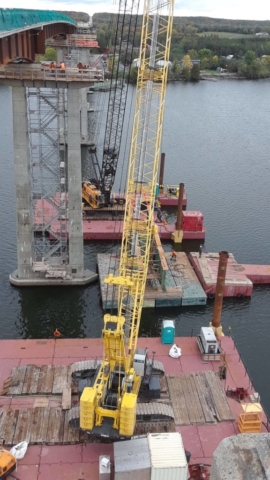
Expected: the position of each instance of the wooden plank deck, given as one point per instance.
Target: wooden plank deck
(180, 409)
(38, 380)
(40, 422)
(66, 398)
(55, 430)
(198, 399)
(17, 380)
(219, 396)
(45, 382)
(60, 379)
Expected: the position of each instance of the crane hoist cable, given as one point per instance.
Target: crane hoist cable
(123, 48)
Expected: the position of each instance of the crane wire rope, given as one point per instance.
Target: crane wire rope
(132, 28)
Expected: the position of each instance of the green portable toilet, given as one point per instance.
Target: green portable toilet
(167, 331)
(157, 189)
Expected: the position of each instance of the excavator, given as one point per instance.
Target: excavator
(111, 390)
(97, 191)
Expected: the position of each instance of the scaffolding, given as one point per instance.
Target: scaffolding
(46, 119)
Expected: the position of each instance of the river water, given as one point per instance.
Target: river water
(216, 139)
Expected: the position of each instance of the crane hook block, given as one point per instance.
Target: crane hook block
(125, 281)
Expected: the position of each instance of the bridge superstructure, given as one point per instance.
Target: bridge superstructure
(23, 33)
(47, 135)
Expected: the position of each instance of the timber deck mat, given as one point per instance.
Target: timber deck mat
(198, 399)
(38, 380)
(38, 426)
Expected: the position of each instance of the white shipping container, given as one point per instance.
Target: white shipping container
(132, 460)
(167, 456)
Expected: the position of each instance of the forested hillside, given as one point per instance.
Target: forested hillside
(209, 40)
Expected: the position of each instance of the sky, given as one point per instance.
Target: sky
(231, 9)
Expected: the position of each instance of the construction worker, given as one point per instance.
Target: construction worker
(62, 66)
(173, 256)
(200, 251)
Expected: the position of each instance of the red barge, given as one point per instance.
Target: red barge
(80, 459)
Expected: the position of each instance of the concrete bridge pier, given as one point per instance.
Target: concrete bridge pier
(26, 275)
(23, 184)
(84, 114)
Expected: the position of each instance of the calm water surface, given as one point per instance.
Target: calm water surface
(216, 139)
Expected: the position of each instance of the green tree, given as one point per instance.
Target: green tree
(204, 53)
(102, 40)
(193, 54)
(249, 57)
(186, 72)
(133, 75)
(49, 55)
(195, 73)
(205, 63)
(187, 62)
(175, 70)
(215, 61)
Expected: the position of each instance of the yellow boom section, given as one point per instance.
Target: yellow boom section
(139, 225)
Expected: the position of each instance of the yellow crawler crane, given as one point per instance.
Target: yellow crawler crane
(108, 407)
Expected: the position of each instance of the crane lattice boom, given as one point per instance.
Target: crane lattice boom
(115, 391)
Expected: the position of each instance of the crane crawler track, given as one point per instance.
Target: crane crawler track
(146, 412)
(84, 369)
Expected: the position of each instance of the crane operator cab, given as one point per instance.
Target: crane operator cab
(8, 463)
(150, 385)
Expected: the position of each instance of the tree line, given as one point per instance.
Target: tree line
(207, 39)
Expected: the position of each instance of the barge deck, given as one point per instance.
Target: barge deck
(81, 460)
(181, 284)
(237, 283)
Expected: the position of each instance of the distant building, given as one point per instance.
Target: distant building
(136, 62)
(262, 34)
(160, 63)
(196, 62)
(229, 57)
(193, 62)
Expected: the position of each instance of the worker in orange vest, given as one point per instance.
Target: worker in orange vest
(173, 256)
(62, 66)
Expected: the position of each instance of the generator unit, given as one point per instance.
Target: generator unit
(209, 341)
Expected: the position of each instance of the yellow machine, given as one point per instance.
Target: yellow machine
(92, 195)
(8, 463)
(108, 407)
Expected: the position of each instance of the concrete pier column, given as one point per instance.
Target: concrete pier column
(23, 184)
(84, 56)
(76, 261)
(84, 114)
(60, 55)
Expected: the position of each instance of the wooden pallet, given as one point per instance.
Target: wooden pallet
(198, 399)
